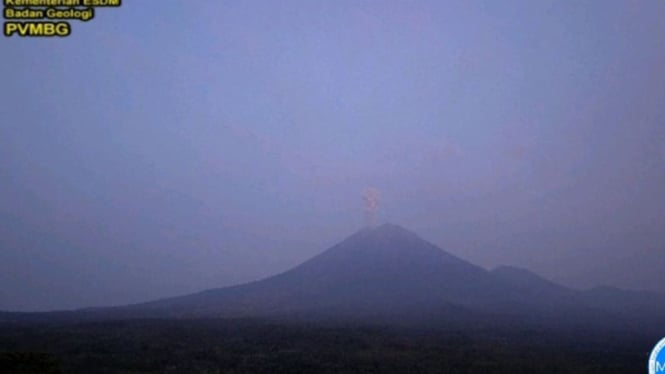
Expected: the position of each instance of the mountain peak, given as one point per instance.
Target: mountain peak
(391, 228)
(386, 238)
(387, 230)
(388, 270)
(390, 248)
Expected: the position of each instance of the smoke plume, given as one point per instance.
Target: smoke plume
(371, 198)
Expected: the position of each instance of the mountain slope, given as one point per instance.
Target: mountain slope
(372, 270)
(388, 270)
(390, 273)
(530, 287)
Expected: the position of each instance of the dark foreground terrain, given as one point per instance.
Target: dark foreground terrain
(251, 346)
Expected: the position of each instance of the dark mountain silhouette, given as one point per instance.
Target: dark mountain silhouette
(375, 270)
(528, 288)
(388, 272)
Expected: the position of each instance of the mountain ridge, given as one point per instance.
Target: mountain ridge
(390, 272)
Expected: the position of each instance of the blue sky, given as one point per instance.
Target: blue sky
(161, 150)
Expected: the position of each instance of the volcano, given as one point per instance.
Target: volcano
(376, 270)
(388, 273)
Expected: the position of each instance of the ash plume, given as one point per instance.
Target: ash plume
(371, 198)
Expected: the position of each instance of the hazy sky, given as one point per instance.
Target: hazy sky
(161, 150)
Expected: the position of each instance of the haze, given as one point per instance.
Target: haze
(164, 150)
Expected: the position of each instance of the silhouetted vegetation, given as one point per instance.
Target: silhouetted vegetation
(247, 346)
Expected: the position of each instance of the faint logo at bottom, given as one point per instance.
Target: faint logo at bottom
(657, 358)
